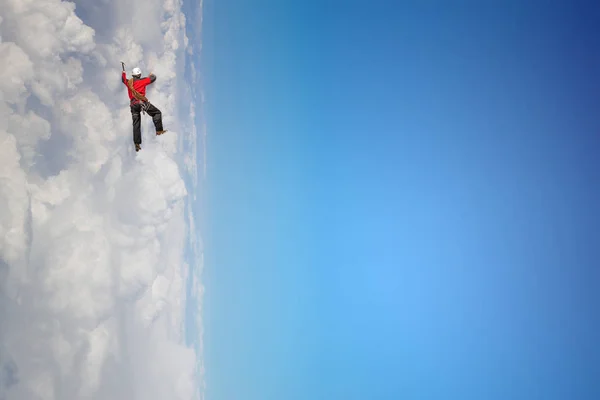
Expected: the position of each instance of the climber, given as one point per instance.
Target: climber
(136, 89)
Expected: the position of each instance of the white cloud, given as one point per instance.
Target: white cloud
(92, 234)
(15, 70)
(13, 201)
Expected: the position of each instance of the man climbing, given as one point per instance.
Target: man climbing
(136, 89)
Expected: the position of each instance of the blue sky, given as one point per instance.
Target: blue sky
(402, 200)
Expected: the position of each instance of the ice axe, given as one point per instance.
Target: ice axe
(123, 65)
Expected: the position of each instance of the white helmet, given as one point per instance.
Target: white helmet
(136, 71)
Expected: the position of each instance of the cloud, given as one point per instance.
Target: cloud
(92, 234)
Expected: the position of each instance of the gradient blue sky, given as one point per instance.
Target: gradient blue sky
(403, 200)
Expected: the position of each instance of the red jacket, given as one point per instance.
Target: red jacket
(138, 84)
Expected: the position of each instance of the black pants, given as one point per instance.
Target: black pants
(152, 111)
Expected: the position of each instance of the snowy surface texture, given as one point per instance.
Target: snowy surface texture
(93, 263)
